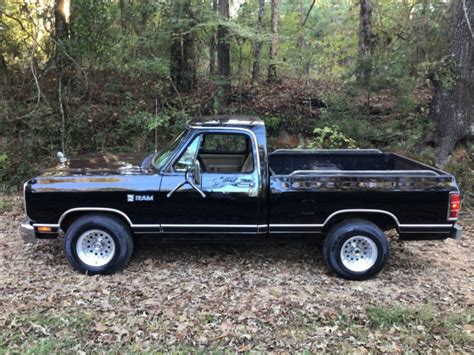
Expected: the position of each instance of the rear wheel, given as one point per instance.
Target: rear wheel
(356, 249)
(96, 244)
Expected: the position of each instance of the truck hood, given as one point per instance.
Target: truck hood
(99, 164)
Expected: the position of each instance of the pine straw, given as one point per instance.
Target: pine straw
(238, 298)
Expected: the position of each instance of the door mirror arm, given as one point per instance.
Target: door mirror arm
(190, 178)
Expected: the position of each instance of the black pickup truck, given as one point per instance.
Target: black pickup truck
(215, 181)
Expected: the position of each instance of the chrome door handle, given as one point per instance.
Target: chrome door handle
(246, 183)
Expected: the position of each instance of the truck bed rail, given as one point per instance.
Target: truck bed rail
(365, 172)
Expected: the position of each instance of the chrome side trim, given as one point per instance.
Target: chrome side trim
(363, 211)
(296, 225)
(425, 225)
(425, 232)
(101, 209)
(145, 225)
(295, 232)
(211, 225)
(207, 232)
(256, 226)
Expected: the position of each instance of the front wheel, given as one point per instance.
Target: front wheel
(356, 249)
(96, 244)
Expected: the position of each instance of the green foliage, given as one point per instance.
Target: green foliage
(119, 65)
(461, 165)
(330, 137)
(382, 317)
(421, 320)
(272, 124)
(445, 73)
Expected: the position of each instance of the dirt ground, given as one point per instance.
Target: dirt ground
(278, 298)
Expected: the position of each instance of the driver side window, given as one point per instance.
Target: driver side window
(189, 156)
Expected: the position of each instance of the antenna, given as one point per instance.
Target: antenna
(156, 125)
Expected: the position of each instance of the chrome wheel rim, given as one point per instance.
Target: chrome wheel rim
(95, 247)
(359, 253)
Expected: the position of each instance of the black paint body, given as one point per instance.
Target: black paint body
(289, 193)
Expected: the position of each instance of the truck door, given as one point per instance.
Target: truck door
(224, 197)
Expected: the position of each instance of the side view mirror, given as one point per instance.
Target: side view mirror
(193, 172)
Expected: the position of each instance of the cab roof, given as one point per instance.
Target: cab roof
(225, 121)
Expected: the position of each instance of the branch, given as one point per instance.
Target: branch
(73, 61)
(11, 17)
(307, 14)
(38, 88)
(63, 117)
(464, 7)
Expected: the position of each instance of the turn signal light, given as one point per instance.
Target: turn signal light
(43, 229)
(454, 205)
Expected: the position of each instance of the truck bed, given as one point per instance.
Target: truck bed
(346, 162)
(309, 185)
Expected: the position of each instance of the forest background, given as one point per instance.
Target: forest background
(86, 76)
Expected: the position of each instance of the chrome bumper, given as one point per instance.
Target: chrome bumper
(27, 232)
(456, 231)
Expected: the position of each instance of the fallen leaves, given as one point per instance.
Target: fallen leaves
(267, 298)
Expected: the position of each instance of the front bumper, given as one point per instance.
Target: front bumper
(28, 232)
(456, 231)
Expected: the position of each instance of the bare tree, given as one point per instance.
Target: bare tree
(223, 57)
(272, 73)
(453, 101)
(258, 42)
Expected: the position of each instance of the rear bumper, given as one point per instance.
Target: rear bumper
(27, 232)
(429, 233)
(456, 232)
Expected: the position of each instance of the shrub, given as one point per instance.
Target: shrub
(331, 137)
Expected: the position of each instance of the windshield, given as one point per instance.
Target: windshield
(160, 158)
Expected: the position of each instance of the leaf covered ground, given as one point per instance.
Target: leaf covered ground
(234, 297)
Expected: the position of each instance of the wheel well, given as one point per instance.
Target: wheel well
(73, 216)
(381, 220)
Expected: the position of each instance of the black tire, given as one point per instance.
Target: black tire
(346, 230)
(115, 228)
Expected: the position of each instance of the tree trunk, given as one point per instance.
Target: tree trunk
(61, 29)
(188, 64)
(258, 42)
(212, 46)
(223, 58)
(123, 17)
(453, 103)
(3, 62)
(365, 42)
(182, 53)
(176, 56)
(272, 74)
